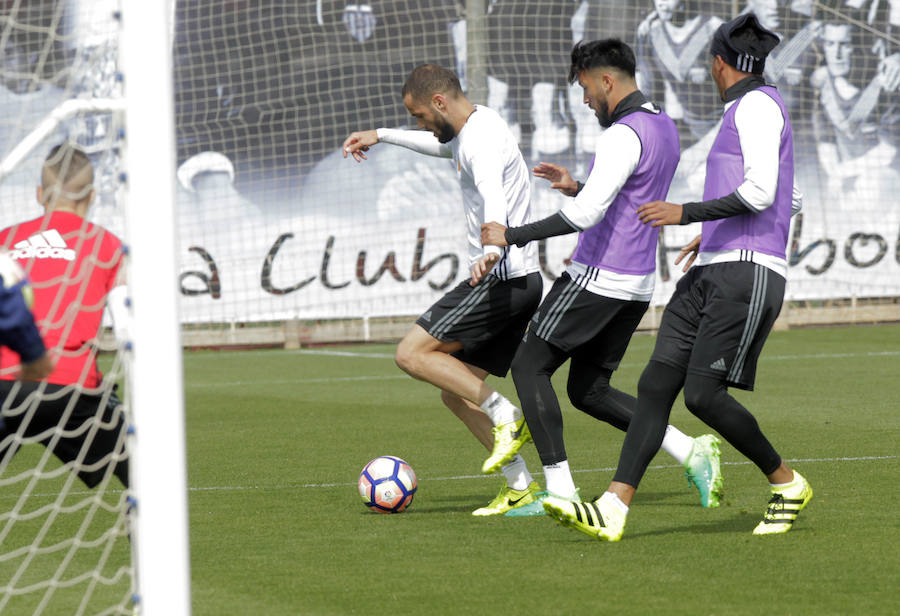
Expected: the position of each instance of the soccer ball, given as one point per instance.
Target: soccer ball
(387, 484)
(12, 276)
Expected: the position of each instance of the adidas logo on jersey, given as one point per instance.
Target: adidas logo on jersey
(47, 244)
(719, 364)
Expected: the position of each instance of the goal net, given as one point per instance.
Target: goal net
(81, 519)
(278, 225)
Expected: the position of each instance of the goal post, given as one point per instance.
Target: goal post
(96, 73)
(157, 398)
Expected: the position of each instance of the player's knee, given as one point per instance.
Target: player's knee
(587, 391)
(406, 358)
(650, 385)
(700, 396)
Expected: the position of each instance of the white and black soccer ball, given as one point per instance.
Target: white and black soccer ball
(387, 484)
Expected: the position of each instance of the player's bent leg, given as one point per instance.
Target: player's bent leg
(533, 365)
(426, 358)
(657, 389)
(475, 419)
(708, 399)
(590, 392)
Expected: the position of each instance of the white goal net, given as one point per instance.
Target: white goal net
(76, 499)
(277, 225)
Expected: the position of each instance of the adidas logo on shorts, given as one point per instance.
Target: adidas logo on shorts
(47, 244)
(719, 364)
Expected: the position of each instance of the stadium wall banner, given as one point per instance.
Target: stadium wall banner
(274, 223)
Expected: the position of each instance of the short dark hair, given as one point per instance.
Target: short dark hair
(606, 53)
(429, 79)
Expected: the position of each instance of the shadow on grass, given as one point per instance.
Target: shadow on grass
(738, 523)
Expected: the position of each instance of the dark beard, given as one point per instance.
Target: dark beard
(445, 132)
(603, 115)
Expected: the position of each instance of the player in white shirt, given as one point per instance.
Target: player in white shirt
(474, 329)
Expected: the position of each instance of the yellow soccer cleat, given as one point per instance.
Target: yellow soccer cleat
(596, 518)
(509, 499)
(508, 440)
(784, 506)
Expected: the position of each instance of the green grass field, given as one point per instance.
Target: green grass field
(276, 440)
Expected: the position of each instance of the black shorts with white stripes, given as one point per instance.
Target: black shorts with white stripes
(586, 324)
(718, 320)
(488, 319)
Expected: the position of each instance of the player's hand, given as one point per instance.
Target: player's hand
(493, 234)
(483, 266)
(692, 248)
(659, 213)
(558, 176)
(358, 143)
(37, 369)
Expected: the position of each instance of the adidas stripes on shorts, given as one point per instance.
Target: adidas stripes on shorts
(594, 327)
(488, 319)
(718, 320)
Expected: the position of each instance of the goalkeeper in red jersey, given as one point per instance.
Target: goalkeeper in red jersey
(74, 269)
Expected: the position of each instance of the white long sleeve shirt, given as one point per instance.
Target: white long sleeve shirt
(494, 179)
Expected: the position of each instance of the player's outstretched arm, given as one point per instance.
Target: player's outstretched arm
(659, 213)
(358, 143)
(558, 176)
(493, 234)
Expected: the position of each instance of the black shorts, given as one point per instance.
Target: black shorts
(585, 324)
(718, 320)
(93, 423)
(488, 319)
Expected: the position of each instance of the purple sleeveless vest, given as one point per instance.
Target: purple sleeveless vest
(766, 232)
(619, 242)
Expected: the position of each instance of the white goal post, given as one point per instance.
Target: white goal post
(138, 140)
(157, 394)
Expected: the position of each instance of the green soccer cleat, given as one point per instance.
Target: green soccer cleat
(508, 440)
(509, 499)
(596, 518)
(536, 507)
(703, 470)
(784, 506)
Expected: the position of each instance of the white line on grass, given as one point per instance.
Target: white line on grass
(328, 379)
(460, 477)
(388, 377)
(293, 486)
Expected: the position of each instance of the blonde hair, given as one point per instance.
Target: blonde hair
(67, 173)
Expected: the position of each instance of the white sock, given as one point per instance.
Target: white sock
(516, 473)
(775, 486)
(559, 479)
(613, 499)
(677, 444)
(500, 410)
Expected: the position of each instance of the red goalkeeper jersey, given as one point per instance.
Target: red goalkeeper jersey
(72, 265)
